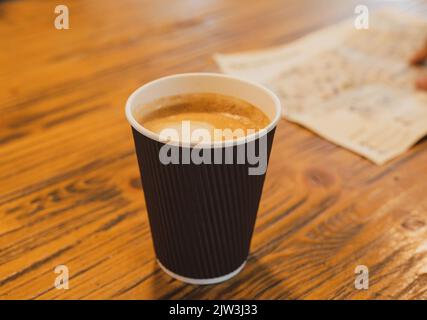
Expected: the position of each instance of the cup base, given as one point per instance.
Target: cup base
(202, 281)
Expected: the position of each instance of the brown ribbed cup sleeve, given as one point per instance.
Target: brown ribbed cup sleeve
(201, 216)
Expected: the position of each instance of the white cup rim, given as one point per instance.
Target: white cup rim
(214, 144)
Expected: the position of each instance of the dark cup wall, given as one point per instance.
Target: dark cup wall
(201, 216)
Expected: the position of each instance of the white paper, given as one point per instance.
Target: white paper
(352, 87)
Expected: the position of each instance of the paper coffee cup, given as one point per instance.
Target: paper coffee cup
(202, 216)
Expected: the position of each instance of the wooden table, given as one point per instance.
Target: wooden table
(69, 184)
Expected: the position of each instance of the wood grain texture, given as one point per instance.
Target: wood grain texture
(69, 185)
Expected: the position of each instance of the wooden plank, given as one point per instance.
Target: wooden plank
(68, 197)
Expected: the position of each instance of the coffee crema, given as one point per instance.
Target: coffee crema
(222, 117)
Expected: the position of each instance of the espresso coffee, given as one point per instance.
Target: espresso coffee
(202, 199)
(212, 112)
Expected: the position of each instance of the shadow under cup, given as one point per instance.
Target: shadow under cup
(202, 216)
